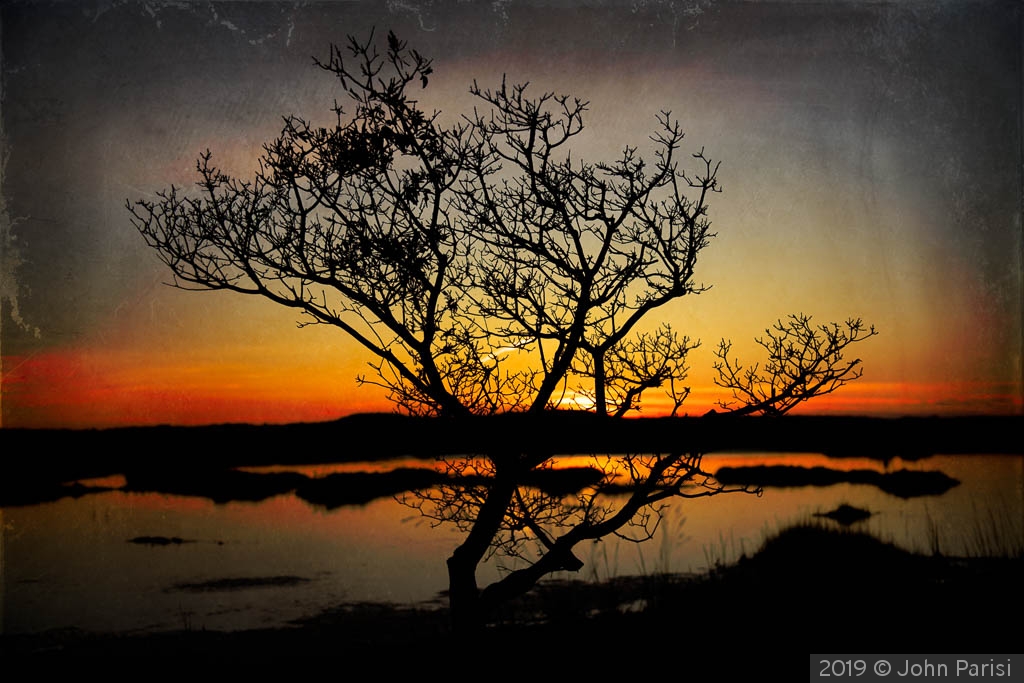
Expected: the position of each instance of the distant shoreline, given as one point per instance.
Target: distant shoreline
(60, 454)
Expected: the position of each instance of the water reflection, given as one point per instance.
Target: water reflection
(69, 563)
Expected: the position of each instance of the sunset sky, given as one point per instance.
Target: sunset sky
(870, 168)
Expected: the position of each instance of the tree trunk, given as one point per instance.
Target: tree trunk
(464, 604)
(600, 400)
(468, 614)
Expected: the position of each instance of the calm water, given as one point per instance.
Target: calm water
(68, 564)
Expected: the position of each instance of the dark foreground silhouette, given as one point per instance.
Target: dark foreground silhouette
(358, 488)
(42, 465)
(809, 588)
(239, 583)
(901, 483)
(846, 515)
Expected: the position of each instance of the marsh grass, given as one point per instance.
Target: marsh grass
(602, 565)
(724, 553)
(991, 531)
(995, 533)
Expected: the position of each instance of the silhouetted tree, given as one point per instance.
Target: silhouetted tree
(486, 270)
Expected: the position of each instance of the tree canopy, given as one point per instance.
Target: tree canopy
(486, 269)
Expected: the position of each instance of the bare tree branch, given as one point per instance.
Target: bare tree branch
(804, 361)
(486, 270)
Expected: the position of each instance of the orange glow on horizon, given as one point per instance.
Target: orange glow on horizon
(86, 389)
(876, 399)
(96, 389)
